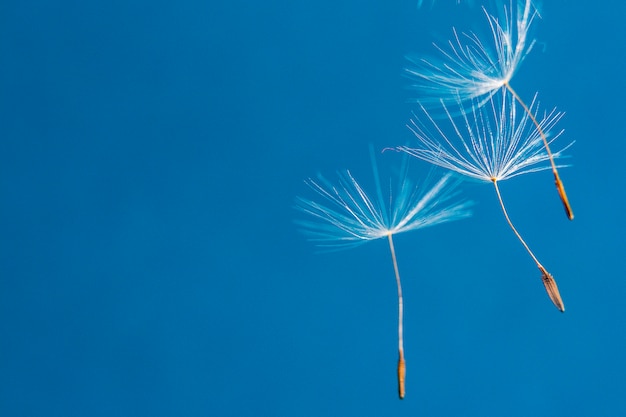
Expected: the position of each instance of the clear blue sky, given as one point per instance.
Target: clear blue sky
(150, 154)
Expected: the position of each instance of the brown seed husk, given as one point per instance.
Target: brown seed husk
(551, 288)
(561, 189)
(401, 375)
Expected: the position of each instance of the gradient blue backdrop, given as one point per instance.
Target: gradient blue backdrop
(150, 153)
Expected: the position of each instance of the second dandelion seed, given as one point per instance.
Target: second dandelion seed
(347, 215)
(493, 142)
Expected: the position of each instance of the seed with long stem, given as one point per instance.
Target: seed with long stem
(547, 279)
(557, 180)
(347, 215)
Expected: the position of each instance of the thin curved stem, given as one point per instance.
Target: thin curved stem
(547, 279)
(506, 215)
(557, 180)
(401, 362)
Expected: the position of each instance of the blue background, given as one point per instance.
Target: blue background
(150, 154)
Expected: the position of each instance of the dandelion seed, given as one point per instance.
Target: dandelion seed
(474, 70)
(347, 215)
(493, 143)
(469, 67)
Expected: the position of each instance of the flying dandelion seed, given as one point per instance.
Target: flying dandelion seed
(474, 70)
(493, 143)
(347, 215)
